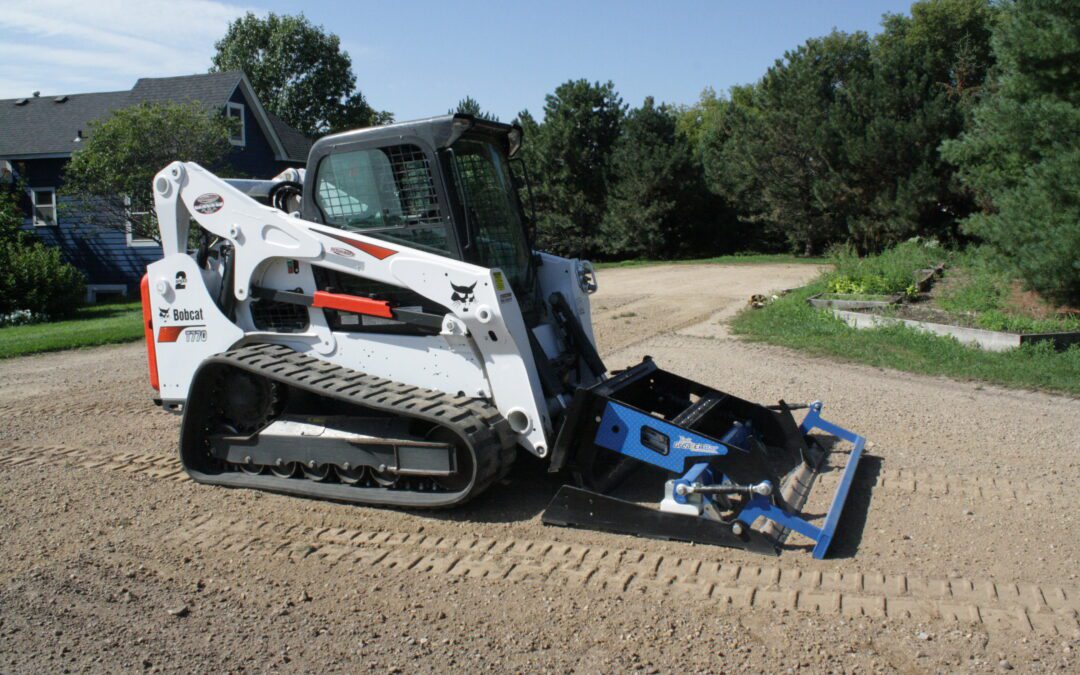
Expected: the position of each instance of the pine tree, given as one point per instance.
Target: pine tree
(1022, 155)
(656, 189)
(470, 106)
(572, 151)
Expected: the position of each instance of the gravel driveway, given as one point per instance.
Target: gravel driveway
(958, 550)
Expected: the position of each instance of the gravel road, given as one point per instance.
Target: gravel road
(958, 551)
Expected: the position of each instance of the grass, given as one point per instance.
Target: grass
(92, 326)
(791, 322)
(982, 290)
(734, 259)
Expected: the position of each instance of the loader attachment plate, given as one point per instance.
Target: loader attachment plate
(575, 507)
(740, 473)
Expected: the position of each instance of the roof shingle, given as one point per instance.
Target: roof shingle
(42, 126)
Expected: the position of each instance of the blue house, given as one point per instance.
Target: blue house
(38, 134)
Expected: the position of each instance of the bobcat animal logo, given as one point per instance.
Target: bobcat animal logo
(462, 295)
(163, 313)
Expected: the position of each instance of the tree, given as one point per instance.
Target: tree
(298, 71)
(1021, 156)
(695, 121)
(839, 140)
(927, 73)
(470, 106)
(779, 152)
(656, 189)
(572, 150)
(123, 153)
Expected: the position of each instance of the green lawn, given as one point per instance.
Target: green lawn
(92, 326)
(736, 259)
(791, 322)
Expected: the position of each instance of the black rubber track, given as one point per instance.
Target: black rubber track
(476, 421)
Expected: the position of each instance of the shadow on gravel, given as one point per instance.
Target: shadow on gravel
(527, 490)
(522, 495)
(857, 509)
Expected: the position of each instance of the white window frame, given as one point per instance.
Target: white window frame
(134, 241)
(34, 206)
(229, 107)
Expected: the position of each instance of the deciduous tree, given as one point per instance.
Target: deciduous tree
(299, 72)
(109, 178)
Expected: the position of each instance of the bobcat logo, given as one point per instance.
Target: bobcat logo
(163, 313)
(462, 295)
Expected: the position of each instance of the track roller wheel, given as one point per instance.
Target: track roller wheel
(251, 469)
(384, 478)
(351, 475)
(317, 472)
(285, 469)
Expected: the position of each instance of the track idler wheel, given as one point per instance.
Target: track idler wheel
(463, 460)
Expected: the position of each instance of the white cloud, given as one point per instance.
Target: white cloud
(66, 47)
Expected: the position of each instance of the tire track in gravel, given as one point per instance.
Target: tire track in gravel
(1016, 606)
(166, 467)
(24, 409)
(902, 481)
(996, 605)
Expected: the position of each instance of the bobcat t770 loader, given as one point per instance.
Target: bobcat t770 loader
(377, 329)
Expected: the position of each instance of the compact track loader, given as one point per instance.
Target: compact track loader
(377, 329)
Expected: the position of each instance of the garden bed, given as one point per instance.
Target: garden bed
(971, 303)
(995, 341)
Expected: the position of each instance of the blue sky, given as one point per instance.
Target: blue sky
(419, 58)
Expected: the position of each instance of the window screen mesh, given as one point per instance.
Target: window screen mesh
(387, 190)
(488, 194)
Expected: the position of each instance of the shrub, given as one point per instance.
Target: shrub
(885, 274)
(34, 278)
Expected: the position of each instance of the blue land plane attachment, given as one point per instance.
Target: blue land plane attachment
(739, 473)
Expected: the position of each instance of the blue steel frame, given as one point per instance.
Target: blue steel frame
(621, 430)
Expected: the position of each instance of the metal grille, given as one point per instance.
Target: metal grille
(384, 187)
(279, 317)
(387, 191)
(415, 187)
(488, 195)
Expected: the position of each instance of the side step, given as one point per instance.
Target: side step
(741, 472)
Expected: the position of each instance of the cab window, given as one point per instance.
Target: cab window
(387, 193)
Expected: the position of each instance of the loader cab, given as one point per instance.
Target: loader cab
(442, 185)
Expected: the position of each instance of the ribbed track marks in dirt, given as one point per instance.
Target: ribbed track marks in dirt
(1018, 606)
(901, 481)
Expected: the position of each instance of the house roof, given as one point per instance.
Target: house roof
(46, 126)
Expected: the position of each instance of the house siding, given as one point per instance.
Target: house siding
(256, 158)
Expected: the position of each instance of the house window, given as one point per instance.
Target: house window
(235, 111)
(147, 217)
(43, 201)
